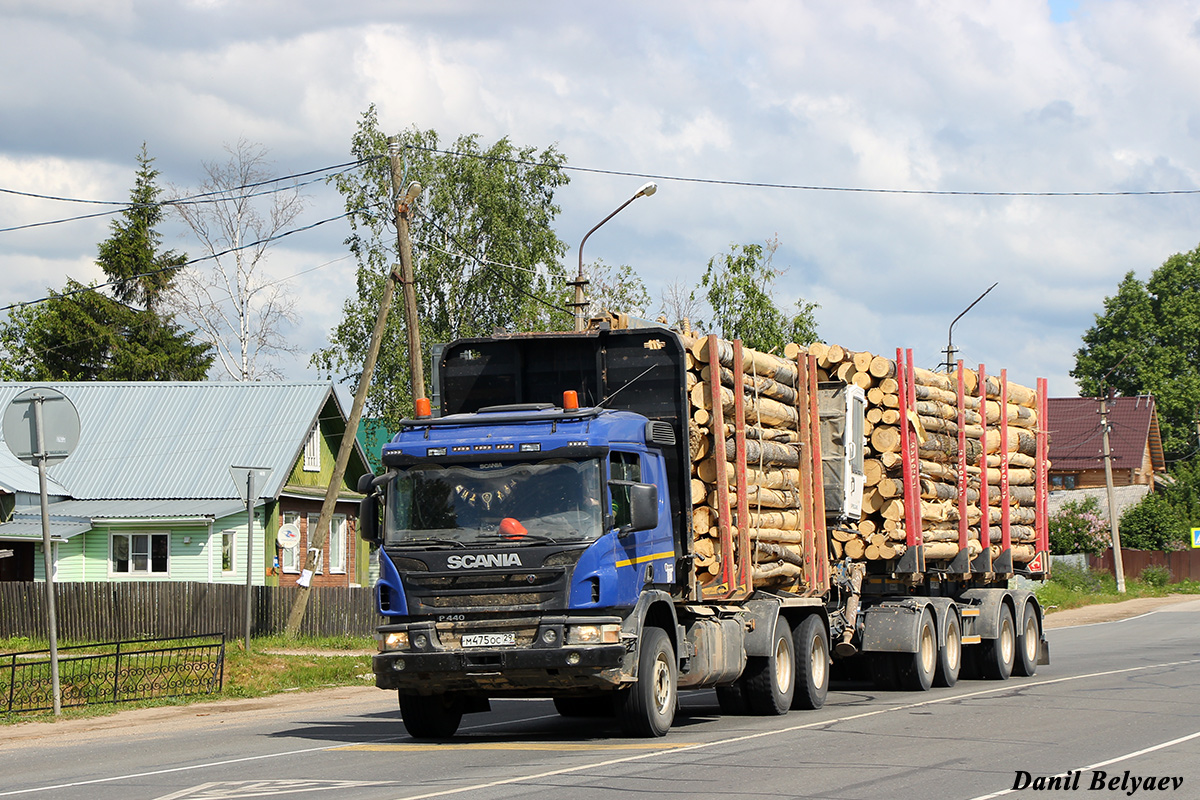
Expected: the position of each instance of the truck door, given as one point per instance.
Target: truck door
(647, 556)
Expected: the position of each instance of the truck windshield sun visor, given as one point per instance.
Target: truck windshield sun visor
(575, 452)
(551, 500)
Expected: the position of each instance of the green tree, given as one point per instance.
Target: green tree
(617, 289)
(485, 254)
(738, 286)
(1163, 519)
(1147, 341)
(81, 333)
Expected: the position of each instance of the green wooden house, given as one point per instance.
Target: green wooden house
(148, 493)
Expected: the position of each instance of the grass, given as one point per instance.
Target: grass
(1073, 587)
(274, 664)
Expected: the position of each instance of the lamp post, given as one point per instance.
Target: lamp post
(579, 282)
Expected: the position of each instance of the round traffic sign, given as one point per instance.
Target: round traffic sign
(60, 425)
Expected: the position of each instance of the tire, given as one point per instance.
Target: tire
(433, 717)
(647, 708)
(950, 656)
(1029, 641)
(917, 669)
(769, 682)
(600, 705)
(997, 655)
(812, 663)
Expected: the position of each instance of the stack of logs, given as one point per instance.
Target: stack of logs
(880, 533)
(774, 480)
(774, 476)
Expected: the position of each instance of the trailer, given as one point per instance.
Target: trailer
(552, 534)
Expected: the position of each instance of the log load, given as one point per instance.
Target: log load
(781, 551)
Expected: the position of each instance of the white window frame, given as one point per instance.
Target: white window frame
(232, 535)
(337, 536)
(290, 554)
(149, 571)
(313, 519)
(312, 450)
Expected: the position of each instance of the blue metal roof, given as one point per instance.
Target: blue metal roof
(177, 440)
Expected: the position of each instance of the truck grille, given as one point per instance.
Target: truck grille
(519, 591)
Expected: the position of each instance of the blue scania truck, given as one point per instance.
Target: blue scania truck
(535, 540)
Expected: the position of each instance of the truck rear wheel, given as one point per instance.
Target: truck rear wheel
(430, 717)
(647, 708)
(917, 669)
(950, 655)
(997, 655)
(812, 663)
(770, 681)
(1028, 642)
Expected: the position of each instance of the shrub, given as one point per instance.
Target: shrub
(1078, 527)
(1153, 524)
(1156, 575)
(1078, 579)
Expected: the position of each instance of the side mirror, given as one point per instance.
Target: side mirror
(643, 507)
(368, 509)
(364, 482)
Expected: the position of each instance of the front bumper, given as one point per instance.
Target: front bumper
(530, 667)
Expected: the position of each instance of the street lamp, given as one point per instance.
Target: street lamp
(579, 282)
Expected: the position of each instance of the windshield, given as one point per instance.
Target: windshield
(554, 501)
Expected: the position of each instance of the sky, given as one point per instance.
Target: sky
(730, 103)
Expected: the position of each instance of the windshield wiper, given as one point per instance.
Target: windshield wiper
(535, 538)
(430, 540)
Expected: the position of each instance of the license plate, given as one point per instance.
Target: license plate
(488, 639)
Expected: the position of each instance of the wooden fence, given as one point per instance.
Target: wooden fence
(92, 612)
(1184, 564)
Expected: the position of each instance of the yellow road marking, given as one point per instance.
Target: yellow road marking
(561, 746)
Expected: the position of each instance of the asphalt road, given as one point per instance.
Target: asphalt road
(1119, 704)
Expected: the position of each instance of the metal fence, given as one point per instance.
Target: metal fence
(114, 672)
(108, 611)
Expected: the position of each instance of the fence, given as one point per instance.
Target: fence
(114, 672)
(89, 612)
(1184, 564)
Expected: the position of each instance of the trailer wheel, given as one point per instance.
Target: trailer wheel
(770, 681)
(950, 657)
(917, 669)
(812, 663)
(997, 655)
(430, 717)
(647, 708)
(1028, 642)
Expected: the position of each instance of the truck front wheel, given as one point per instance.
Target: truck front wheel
(433, 717)
(647, 708)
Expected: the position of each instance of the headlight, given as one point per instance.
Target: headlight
(594, 634)
(396, 641)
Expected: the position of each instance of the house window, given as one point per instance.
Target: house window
(289, 557)
(337, 544)
(1062, 481)
(313, 519)
(312, 451)
(228, 544)
(145, 553)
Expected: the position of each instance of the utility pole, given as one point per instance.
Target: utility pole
(1118, 567)
(316, 542)
(416, 367)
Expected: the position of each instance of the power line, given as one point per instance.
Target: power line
(799, 186)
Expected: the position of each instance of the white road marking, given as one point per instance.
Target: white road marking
(237, 790)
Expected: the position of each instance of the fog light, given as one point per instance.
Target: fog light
(396, 641)
(420, 641)
(573, 659)
(549, 636)
(398, 665)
